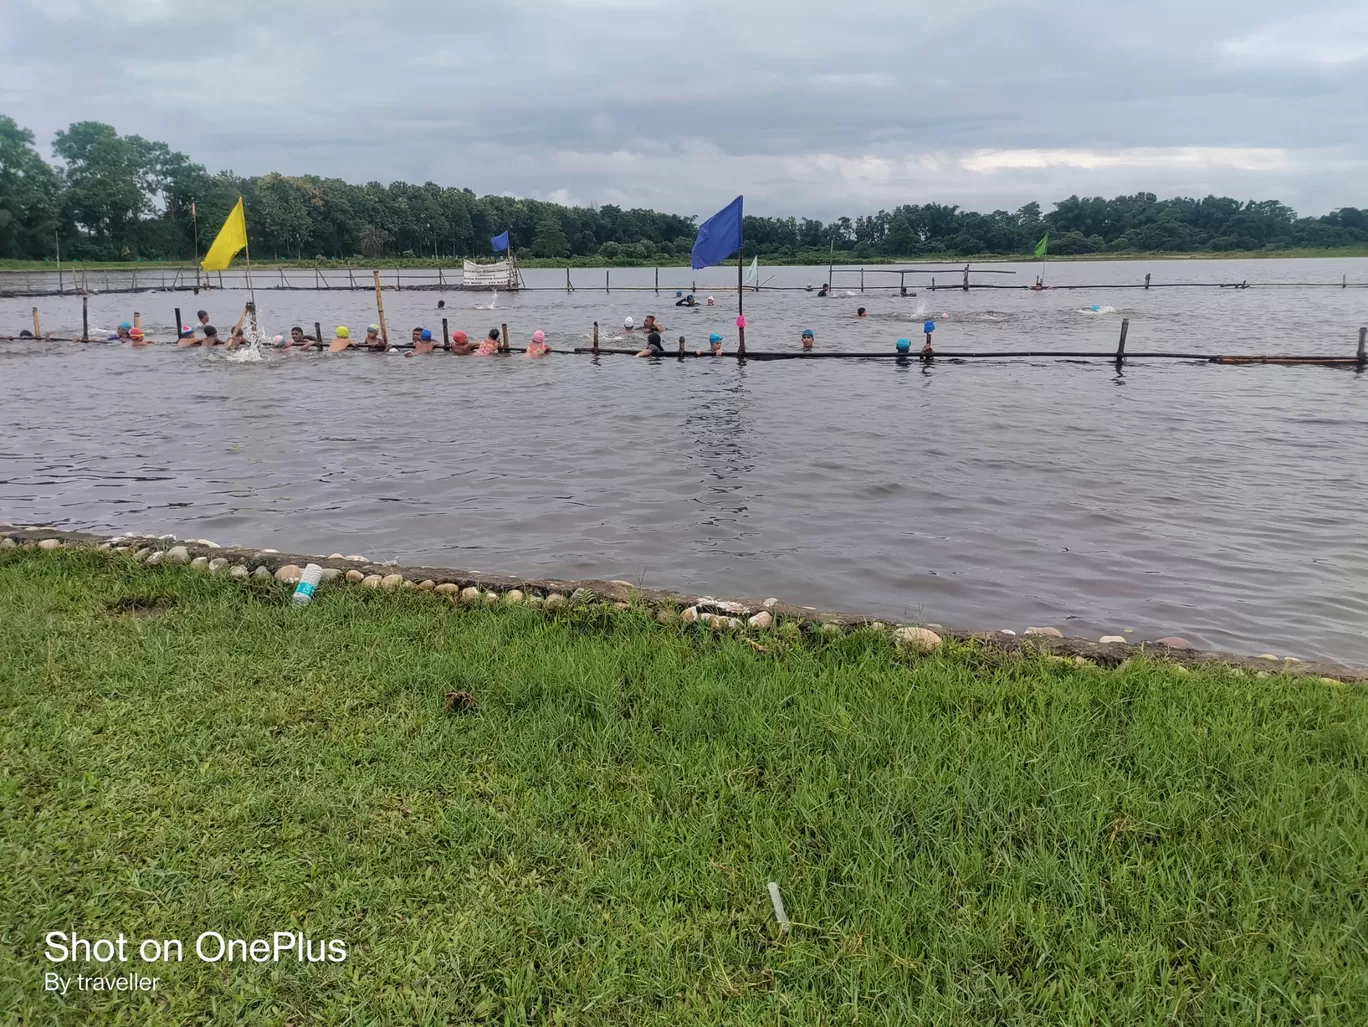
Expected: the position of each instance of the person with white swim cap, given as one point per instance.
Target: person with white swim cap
(628, 324)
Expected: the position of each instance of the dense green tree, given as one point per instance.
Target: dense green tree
(550, 240)
(29, 196)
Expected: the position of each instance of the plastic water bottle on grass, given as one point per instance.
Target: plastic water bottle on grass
(308, 582)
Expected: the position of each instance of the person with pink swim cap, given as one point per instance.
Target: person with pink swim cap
(538, 346)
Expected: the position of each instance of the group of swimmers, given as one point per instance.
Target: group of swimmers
(423, 340)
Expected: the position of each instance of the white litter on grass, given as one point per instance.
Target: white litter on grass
(779, 913)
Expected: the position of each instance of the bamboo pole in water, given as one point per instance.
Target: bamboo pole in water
(379, 309)
(137, 319)
(37, 331)
(85, 319)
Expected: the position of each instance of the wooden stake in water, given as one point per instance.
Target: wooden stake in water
(85, 319)
(1121, 343)
(446, 335)
(318, 333)
(657, 271)
(503, 331)
(37, 331)
(681, 347)
(380, 310)
(1363, 347)
(778, 904)
(596, 338)
(137, 319)
(740, 304)
(179, 322)
(61, 288)
(1147, 278)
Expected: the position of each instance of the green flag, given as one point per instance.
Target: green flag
(753, 272)
(1040, 246)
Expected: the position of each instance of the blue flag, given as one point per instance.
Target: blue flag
(499, 242)
(718, 237)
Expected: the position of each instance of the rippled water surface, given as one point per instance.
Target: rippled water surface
(1224, 504)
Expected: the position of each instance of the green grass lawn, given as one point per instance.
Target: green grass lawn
(967, 837)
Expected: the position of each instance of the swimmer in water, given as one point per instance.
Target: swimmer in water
(441, 304)
(651, 324)
(372, 341)
(121, 333)
(628, 325)
(460, 345)
(862, 312)
(538, 347)
(653, 346)
(490, 345)
(209, 338)
(424, 343)
(298, 338)
(714, 346)
(136, 337)
(341, 340)
(203, 316)
(903, 346)
(711, 301)
(927, 353)
(808, 339)
(823, 291)
(687, 301)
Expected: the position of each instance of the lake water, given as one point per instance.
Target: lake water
(1223, 504)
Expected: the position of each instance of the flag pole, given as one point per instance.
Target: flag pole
(740, 295)
(247, 250)
(194, 217)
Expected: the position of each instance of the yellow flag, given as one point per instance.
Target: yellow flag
(231, 238)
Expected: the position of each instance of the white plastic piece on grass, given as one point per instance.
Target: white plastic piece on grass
(779, 913)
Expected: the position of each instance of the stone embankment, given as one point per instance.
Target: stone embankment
(739, 615)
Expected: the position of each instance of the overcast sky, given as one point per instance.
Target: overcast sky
(815, 109)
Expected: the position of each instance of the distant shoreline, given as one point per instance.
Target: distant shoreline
(539, 263)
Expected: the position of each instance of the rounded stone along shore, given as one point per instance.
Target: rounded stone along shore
(669, 607)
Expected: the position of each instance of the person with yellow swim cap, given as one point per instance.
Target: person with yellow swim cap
(341, 340)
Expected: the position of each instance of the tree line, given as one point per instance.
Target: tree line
(116, 197)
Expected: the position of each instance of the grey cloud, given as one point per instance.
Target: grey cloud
(794, 102)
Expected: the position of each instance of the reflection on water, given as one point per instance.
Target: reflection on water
(1222, 504)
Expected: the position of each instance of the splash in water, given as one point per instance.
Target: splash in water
(251, 352)
(493, 301)
(1095, 309)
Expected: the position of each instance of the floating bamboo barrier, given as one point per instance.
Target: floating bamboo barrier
(441, 280)
(1359, 360)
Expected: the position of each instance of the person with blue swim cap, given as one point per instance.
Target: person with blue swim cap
(927, 353)
(808, 338)
(904, 345)
(714, 346)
